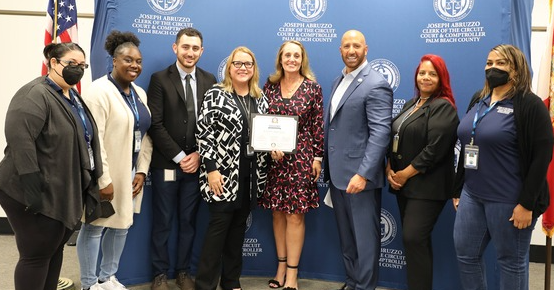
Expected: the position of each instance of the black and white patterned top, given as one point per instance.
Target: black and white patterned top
(219, 136)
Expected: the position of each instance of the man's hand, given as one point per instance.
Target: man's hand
(357, 183)
(190, 163)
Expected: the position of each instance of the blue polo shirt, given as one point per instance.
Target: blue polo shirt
(497, 177)
(79, 113)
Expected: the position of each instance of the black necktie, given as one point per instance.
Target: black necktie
(190, 141)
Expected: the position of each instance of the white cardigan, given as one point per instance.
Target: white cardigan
(115, 122)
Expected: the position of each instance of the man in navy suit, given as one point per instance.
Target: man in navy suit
(174, 98)
(357, 134)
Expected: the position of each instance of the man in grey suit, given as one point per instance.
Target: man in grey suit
(174, 98)
(357, 132)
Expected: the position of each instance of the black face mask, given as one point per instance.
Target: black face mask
(496, 77)
(71, 74)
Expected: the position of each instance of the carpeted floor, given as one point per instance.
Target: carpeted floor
(9, 256)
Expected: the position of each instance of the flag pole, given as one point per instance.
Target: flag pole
(55, 28)
(548, 263)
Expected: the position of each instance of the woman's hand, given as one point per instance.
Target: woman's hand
(399, 178)
(390, 177)
(138, 183)
(521, 217)
(215, 181)
(277, 155)
(106, 193)
(316, 169)
(455, 203)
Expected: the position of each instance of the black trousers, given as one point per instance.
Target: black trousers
(40, 241)
(221, 254)
(418, 220)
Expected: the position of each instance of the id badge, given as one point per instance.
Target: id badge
(169, 175)
(138, 141)
(395, 139)
(471, 159)
(91, 157)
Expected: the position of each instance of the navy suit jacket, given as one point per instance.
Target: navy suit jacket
(166, 100)
(357, 137)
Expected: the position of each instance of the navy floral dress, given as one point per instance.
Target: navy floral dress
(290, 184)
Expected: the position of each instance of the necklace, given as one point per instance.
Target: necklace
(289, 90)
(243, 102)
(418, 105)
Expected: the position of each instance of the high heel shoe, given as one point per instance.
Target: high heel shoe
(273, 283)
(292, 288)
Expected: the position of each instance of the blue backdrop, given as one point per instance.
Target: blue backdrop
(398, 34)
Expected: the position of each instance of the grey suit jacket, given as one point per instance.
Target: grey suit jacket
(166, 100)
(357, 137)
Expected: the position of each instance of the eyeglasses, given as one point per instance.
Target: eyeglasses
(239, 64)
(74, 64)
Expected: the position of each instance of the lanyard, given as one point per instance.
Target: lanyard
(81, 110)
(246, 108)
(477, 118)
(132, 102)
(407, 115)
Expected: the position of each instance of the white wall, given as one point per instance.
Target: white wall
(538, 44)
(21, 57)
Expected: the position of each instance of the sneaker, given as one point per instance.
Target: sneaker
(184, 281)
(160, 283)
(111, 284)
(96, 286)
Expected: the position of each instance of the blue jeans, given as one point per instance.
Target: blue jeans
(88, 247)
(479, 222)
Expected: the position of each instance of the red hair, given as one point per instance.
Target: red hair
(444, 90)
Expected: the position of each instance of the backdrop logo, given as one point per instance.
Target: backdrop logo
(388, 227)
(389, 71)
(221, 70)
(452, 10)
(166, 7)
(308, 10)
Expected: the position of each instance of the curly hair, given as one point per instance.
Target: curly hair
(117, 41)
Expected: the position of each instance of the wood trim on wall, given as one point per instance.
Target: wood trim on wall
(40, 13)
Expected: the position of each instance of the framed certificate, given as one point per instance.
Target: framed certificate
(274, 132)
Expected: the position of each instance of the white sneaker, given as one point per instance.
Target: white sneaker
(111, 284)
(96, 286)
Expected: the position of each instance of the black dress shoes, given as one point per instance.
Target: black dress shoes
(345, 287)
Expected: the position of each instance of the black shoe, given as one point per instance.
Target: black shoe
(73, 239)
(291, 267)
(345, 287)
(273, 283)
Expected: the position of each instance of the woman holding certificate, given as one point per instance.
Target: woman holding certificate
(231, 175)
(291, 189)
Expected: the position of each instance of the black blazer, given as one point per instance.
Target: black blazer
(166, 100)
(427, 140)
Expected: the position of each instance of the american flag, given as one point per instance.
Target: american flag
(61, 24)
